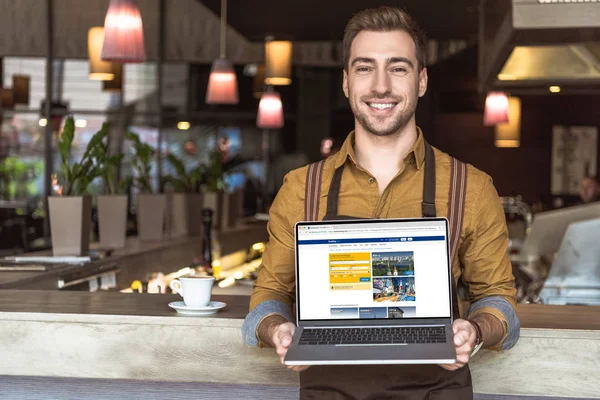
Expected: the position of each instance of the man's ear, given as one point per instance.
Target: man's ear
(423, 82)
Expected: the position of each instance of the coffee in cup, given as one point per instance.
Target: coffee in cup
(195, 290)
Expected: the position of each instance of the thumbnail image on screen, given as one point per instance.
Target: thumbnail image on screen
(398, 263)
(394, 289)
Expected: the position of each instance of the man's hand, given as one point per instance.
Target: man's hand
(465, 337)
(281, 336)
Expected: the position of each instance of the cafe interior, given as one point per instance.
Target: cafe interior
(142, 141)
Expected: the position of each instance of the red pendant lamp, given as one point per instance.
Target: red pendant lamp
(270, 110)
(222, 84)
(496, 109)
(123, 33)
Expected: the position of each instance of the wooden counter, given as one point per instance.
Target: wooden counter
(68, 340)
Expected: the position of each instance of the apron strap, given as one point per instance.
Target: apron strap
(312, 191)
(456, 202)
(428, 204)
(456, 210)
(333, 194)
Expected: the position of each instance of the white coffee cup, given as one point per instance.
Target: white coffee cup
(195, 290)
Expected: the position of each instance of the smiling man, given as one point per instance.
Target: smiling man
(380, 172)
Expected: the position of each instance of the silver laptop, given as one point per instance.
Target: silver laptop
(373, 292)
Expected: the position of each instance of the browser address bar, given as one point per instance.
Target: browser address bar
(378, 230)
(367, 231)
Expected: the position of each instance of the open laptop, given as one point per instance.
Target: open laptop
(373, 292)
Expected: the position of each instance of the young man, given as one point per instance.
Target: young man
(383, 177)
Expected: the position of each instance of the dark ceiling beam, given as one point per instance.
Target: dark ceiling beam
(317, 20)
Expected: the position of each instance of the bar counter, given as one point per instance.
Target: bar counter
(109, 344)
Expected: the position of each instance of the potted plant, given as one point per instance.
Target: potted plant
(70, 210)
(151, 207)
(226, 206)
(187, 199)
(113, 204)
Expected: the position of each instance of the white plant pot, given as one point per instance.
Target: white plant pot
(151, 216)
(179, 215)
(70, 223)
(193, 205)
(112, 220)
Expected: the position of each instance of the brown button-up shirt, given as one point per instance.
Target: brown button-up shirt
(482, 261)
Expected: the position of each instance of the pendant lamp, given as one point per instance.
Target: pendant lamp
(496, 109)
(278, 65)
(99, 70)
(270, 110)
(123, 33)
(222, 84)
(509, 134)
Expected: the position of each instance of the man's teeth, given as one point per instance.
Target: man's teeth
(381, 106)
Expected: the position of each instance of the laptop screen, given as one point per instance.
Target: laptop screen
(375, 269)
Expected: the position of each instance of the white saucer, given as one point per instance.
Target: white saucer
(210, 309)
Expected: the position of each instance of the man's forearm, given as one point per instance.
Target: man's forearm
(493, 329)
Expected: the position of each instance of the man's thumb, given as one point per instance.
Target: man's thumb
(286, 339)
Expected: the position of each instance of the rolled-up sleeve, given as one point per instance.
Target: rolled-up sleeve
(274, 290)
(260, 312)
(487, 271)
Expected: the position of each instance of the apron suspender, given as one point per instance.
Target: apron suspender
(456, 211)
(456, 202)
(428, 202)
(312, 190)
(332, 201)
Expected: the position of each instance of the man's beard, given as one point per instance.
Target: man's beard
(395, 122)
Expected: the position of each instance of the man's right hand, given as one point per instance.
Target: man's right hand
(281, 337)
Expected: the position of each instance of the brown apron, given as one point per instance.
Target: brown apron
(379, 382)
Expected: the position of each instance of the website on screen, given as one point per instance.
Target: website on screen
(373, 270)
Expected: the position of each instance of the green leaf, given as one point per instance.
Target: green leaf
(66, 140)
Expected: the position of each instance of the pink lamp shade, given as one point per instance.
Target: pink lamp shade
(270, 111)
(496, 109)
(222, 84)
(123, 33)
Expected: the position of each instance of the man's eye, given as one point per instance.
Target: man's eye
(362, 69)
(400, 70)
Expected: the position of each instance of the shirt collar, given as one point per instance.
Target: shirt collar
(415, 155)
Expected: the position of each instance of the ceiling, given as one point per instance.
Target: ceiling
(314, 20)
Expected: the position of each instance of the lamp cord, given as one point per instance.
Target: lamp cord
(223, 26)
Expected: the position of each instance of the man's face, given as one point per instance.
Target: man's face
(588, 189)
(383, 82)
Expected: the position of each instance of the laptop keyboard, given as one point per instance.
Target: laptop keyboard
(382, 336)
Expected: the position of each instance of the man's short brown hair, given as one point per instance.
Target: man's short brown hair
(385, 19)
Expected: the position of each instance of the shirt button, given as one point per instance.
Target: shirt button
(371, 180)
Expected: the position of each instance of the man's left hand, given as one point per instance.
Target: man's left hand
(465, 337)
